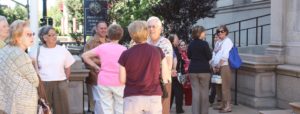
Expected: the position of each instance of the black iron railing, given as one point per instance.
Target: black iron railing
(243, 32)
(237, 37)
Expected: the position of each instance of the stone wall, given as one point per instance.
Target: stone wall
(288, 85)
(234, 11)
(256, 81)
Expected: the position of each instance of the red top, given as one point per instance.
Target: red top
(142, 64)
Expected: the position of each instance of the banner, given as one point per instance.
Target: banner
(94, 11)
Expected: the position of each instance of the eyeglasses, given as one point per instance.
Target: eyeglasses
(220, 31)
(51, 35)
(30, 34)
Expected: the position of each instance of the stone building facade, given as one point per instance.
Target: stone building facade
(270, 74)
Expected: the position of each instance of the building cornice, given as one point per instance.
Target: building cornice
(243, 7)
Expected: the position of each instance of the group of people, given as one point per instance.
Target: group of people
(22, 72)
(128, 80)
(121, 80)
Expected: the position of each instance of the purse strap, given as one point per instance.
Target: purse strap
(41, 88)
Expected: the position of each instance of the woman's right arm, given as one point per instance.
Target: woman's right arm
(87, 58)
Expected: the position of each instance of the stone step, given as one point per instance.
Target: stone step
(296, 107)
(256, 55)
(257, 58)
(276, 112)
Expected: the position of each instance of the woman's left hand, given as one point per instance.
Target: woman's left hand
(174, 72)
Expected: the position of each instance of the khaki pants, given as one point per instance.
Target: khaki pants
(200, 83)
(57, 94)
(226, 83)
(142, 105)
(111, 99)
(167, 101)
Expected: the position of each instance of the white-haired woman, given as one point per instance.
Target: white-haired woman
(18, 78)
(155, 39)
(4, 30)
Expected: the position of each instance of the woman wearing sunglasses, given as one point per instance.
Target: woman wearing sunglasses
(220, 64)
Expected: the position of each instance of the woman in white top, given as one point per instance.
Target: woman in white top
(54, 67)
(220, 64)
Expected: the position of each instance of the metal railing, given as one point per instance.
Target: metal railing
(237, 33)
(70, 44)
(259, 35)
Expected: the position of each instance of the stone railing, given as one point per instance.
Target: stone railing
(76, 86)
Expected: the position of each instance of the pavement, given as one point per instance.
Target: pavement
(236, 109)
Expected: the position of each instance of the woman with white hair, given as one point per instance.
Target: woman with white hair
(155, 39)
(4, 30)
(18, 78)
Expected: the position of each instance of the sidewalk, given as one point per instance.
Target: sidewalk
(236, 109)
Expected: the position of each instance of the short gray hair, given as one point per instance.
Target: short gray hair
(43, 31)
(156, 19)
(2, 18)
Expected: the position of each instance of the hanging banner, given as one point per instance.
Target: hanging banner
(94, 11)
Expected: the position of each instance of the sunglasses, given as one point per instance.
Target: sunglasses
(30, 34)
(220, 31)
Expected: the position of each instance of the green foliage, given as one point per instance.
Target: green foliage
(17, 12)
(75, 9)
(180, 15)
(76, 36)
(55, 13)
(126, 11)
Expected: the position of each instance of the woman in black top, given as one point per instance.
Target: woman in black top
(177, 91)
(199, 53)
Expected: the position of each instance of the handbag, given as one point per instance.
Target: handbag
(216, 79)
(43, 107)
(165, 93)
(235, 61)
(164, 89)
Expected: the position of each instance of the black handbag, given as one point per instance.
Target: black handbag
(163, 88)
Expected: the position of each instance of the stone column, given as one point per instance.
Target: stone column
(278, 9)
(292, 45)
(285, 43)
(34, 22)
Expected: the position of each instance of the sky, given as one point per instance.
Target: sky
(10, 3)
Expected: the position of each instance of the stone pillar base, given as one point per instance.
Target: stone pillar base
(256, 81)
(256, 102)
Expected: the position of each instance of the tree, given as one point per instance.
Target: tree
(75, 9)
(18, 12)
(56, 15)
(126, 11)
(180, 15)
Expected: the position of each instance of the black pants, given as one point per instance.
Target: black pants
(177, 91)
(213, 92)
